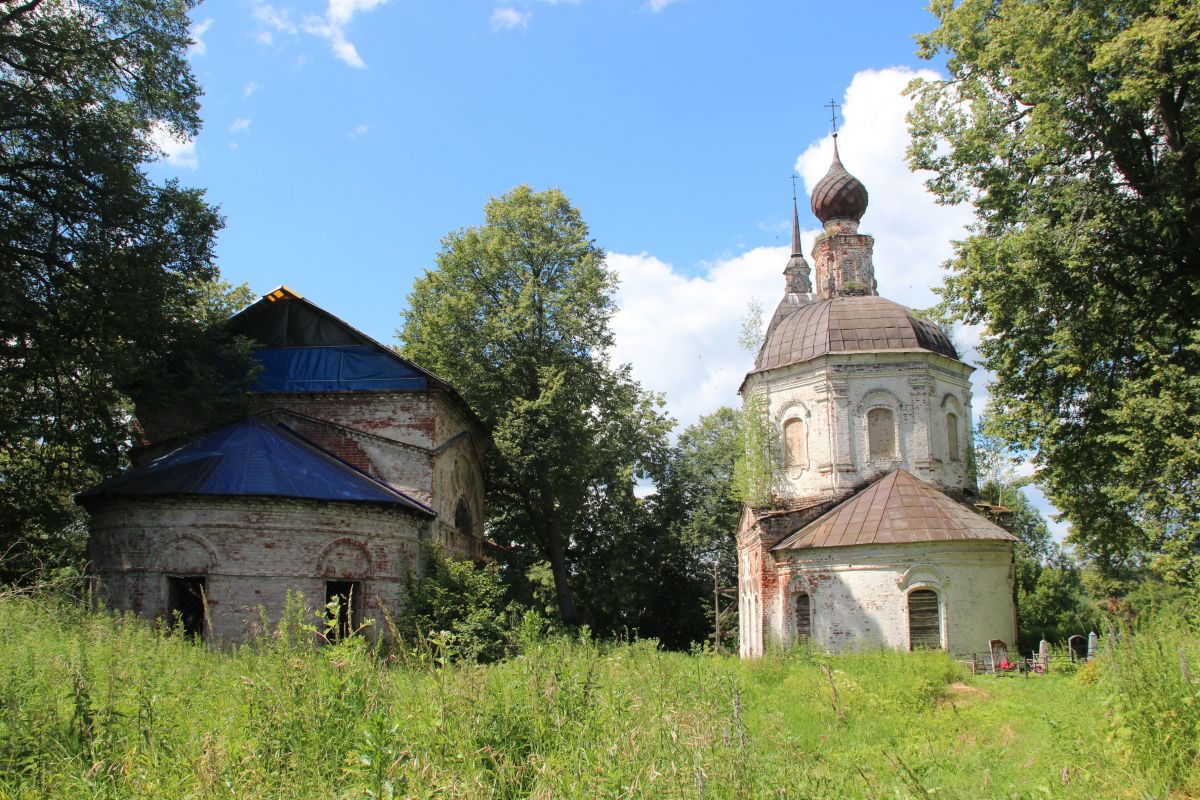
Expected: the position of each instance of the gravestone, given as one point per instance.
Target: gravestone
(998, 651)
(1077, 646)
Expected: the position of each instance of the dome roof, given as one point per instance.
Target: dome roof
(850, 324)
(839, 195)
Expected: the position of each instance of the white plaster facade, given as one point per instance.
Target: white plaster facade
(858, 596)
(831, 397)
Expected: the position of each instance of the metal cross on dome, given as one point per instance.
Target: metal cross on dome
(833, 106)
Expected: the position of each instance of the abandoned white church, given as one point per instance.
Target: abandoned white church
(349, 463)
(867, 541)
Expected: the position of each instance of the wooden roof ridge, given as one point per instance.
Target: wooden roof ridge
(898, 508)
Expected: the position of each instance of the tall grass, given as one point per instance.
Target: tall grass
(101, 706)
(1152, 680)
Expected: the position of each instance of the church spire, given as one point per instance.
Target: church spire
(797, 271)
(795, 223)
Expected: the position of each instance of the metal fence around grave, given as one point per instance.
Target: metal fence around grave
(998, 659)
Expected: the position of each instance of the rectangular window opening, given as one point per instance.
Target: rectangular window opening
(343, 601)
(186, 598)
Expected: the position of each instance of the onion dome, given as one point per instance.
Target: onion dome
(839, 195)
(850, 324)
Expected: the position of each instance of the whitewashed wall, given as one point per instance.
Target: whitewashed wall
(833, 395)
(859, 594)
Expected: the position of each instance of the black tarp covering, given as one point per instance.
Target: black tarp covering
(252, 458)
(292, 322)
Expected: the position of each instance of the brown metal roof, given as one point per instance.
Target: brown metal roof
(839, 195)
(899, 508)
(849, 324)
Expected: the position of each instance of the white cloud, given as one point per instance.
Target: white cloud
(240, 124)
(913, 234)
(175, 150)
(265, 38)
(196, 34)
(279, 19)
(331, 26)
(506, 19)
(358, 130)
(250, 88)
(656, 6)
(679, 332)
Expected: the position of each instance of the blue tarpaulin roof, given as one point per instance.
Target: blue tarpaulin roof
(253, 458)
(304, 348)
(332, 369)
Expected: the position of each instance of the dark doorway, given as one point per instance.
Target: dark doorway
(803, 616)
(185, 604)
(342, 602)
(924, 620)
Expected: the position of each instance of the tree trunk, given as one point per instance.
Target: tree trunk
(558, 565)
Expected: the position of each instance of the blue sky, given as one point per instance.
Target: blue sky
(674, 130)
(343, 138)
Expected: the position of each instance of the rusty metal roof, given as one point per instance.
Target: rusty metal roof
(899, 508)
(839, 195)
(849, 324)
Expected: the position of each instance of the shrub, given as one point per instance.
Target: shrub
(463, 604)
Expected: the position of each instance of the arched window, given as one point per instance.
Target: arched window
(952, 435)
(803, 615)
(881, 433)
(924, 620)
(462, 518)
(795, 444)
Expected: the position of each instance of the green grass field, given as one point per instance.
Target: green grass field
(97, 706)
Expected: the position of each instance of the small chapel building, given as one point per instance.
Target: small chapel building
(869, 540)
(349, 463)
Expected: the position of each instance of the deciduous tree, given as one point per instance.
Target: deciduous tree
(516, 317)
(1073, 127)
(699, 505)
(106, 275)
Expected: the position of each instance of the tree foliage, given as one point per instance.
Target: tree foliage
(756, 469)
(516, 317)
(697, 509)
(1052, 602)
(1073, 128)
(698, 489)
(1052, 599)
(108, 279)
